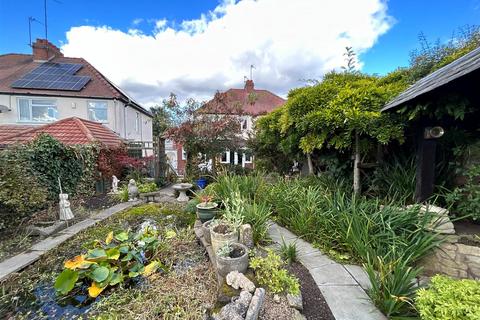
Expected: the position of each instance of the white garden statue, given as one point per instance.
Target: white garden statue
(132, 190)
(65, 211)
(115, 184)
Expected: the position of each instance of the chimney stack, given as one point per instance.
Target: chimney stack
(249, 85)
(44, 51)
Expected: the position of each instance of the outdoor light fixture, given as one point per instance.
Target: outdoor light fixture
(433, 132)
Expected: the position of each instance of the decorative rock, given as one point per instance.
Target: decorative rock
(440, 221)
(276, 298)
(238, 280)
(256, 304)
(297, 315)
(295, 301)
(132, 190)
(236, 309)
(246, 235)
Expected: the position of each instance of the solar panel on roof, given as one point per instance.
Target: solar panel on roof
(53, 76)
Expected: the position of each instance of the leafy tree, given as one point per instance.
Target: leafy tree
(205, 130)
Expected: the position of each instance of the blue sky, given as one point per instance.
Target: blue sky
(385, 45)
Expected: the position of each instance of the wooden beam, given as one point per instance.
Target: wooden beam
(425, 174)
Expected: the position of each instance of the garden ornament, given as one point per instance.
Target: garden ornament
(115, 184)
(65, 211)
(132, 190)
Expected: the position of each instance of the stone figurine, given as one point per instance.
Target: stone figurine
(65, 211)
(115, 184)
(132, 190)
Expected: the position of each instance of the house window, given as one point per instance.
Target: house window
(248, 157)
(37, 110)
(225, 157)
(184, 154)
(98, 111)
(244, 124)
(137, 122)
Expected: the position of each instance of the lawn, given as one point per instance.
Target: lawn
(184, 291)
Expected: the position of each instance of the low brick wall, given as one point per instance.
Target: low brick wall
(454, 259)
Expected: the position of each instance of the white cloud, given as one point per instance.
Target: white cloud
(286, 40)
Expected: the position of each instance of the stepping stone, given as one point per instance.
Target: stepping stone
(314, 260)
(18, 262)
(333, 274)
(350, 303)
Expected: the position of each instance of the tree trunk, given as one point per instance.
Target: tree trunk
(356, 163)
(160, 174)
(310, 164)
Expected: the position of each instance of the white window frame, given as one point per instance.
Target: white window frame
(244, 121)
(30, 107)
(227, 152)
(89, 107)
(245, 158)
(184, 154)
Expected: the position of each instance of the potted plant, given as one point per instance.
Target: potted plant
(226, 230)
(201, 182)
(232, 257)
(206, 209)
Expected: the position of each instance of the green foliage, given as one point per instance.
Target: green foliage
(269, 272)
(113, 261)
(147, 187)
(393, 285)
(20, 191)
(448, 298)
(233, 213)
(249, 187)
(257, 215)
(465, 199)
(191, 206)
(288, 251)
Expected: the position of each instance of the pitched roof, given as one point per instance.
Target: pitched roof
(11, 129)
(251, 101)
(452, 71)
(13, 66)
(70, 131)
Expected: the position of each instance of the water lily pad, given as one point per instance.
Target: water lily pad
(96, 255)
(122, 236)
(100, 274)
(113, 253)
(66, 281)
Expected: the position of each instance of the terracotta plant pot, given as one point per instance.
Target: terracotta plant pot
(206, 231)
(237, 261)
(207, 211)
(222, 234)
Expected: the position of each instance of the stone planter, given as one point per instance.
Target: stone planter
(206, 211)
(237, 261)
(206, 231)
(220, 238)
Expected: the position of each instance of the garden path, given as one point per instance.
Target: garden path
(31, 255)
(343, 286)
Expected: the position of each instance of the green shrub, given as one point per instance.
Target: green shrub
(147, 187)
(20, 192)
(269, 272)
(465, 200)
(249, 187)
(257, 215)
(448, 298)
(191, 206)
(288, 251)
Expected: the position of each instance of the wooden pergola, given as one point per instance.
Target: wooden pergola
(460, 78)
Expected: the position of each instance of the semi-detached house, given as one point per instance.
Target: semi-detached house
(44, 87)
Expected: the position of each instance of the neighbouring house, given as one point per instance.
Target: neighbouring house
(252, 102)
(455, 83)
(44, 87)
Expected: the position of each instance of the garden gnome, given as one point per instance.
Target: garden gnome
(132, 190)
(115, 184)
(65, 211)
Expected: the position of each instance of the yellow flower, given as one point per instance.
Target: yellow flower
(94, 290)
(150, 268)
(77, 262)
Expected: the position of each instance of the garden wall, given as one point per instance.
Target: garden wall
(454, 259)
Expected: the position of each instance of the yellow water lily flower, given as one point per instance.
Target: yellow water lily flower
(109, 237)
(94, 290)
(77, 262)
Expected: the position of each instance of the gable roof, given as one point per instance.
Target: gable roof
(13, 66)
(252, 101)
(452, 71)
(69, 131)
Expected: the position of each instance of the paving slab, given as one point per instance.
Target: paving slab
(332, 274)
(51, 242)
(79, 226)
(360, 275)
(18, 262)
(116, 208)
(278, 234)
(350, 303)
(314, 260)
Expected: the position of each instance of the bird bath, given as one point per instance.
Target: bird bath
(182, 189)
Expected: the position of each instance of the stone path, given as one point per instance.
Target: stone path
(342, 286)
(27, 257)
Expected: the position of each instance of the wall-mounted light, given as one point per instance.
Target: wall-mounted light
(74, 105)
(433, 132)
